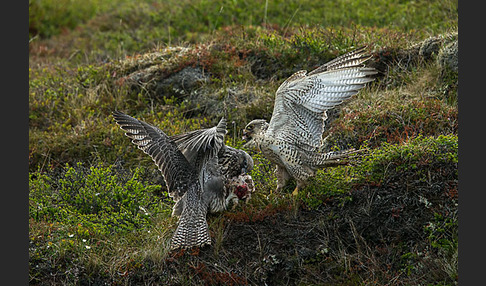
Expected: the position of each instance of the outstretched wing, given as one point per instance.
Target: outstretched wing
(180, 176)
(301, 100)
(178, 173)
(200, 145)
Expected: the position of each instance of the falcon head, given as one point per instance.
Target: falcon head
(255, 129)
(246, 162)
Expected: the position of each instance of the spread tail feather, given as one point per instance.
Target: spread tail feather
(335, 158)
(192, 230)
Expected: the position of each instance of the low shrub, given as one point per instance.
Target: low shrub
(98, 199)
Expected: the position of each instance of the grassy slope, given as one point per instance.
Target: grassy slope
(386, 219)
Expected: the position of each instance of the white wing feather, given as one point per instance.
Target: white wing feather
(302, 100)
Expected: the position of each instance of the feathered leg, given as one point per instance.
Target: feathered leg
(282, 177)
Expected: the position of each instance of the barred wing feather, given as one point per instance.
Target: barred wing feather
(301, 101)
(198, 146)
(176, 170)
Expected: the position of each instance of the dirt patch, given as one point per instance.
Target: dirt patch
(380, 231)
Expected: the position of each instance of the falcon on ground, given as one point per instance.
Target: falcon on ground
(201, 173)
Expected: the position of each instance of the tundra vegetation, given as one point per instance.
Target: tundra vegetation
(99, 213)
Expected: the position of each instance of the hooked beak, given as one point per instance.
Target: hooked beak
(246, 136)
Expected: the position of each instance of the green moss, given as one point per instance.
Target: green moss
(394, 121)
(414, 160)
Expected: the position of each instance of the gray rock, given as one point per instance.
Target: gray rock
(430, 47)
(447, 58)
(183, 81)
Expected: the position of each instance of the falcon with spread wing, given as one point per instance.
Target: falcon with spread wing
(293, 137)
(201, 173)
